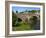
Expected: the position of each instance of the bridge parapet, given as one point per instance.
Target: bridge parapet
(26, 16)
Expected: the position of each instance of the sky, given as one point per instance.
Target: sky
(20, 9)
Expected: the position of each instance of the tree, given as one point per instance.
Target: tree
(29, 11)
(16, 11)
(39, 11)
(33, 11)
(21, 12)
(14, 18)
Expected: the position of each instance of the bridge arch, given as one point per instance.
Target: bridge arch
(27, 16)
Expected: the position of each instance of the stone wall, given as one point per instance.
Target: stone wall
(26, 16)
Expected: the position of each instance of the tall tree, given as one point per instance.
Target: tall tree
(16, 11)
(14, 18)
(33, 11)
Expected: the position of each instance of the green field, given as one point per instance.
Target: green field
(23, 26)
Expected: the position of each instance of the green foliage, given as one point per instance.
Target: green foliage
(33, 11)
(39, 11)
(16, 11)
(14, 18)
(29, 11)
(17, 25)
(18, 22)
(21, 12)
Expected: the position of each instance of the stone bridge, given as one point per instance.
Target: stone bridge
(27, 16)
